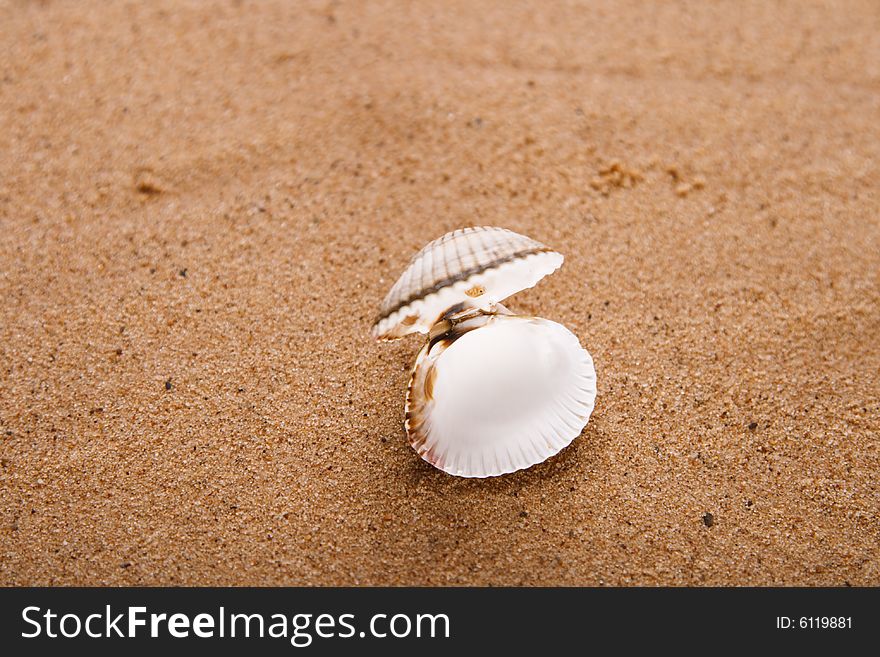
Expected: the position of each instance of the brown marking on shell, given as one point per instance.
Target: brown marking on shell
(409, 320)
(476, 291)
(453, 324)
(461, 276)
(444, 340)
(430, 456)
(448, 314)
(430, 377)
(412, 422)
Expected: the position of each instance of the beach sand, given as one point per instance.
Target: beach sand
(203, 204)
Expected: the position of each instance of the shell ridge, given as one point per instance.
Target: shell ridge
(424, 294)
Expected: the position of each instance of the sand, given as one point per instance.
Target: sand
(203, 204)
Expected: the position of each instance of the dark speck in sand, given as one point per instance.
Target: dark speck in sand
(753, 426)
(168, 385)
(148, 188)
(183, 272)
(708, 519)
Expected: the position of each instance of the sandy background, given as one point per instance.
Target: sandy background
(202, 206)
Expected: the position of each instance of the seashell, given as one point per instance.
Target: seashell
(491, 392)
(498, 393)
(475, 267)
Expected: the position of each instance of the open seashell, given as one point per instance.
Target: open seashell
(497, 393)
(491, 392)
(474, 267)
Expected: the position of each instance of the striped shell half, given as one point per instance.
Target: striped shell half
(497, 394)
(469, 267)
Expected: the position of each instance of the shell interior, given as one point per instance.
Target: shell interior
(471, 267)
(499, 394)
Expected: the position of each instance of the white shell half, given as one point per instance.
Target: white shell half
(476, 267)
(499, 398)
